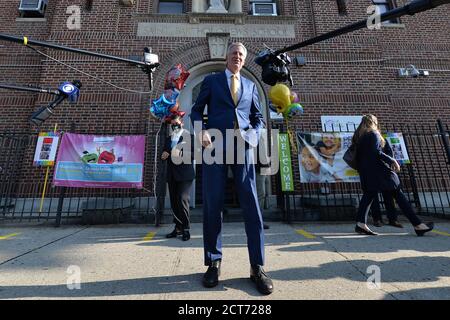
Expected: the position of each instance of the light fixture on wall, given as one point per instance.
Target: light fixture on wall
(412, 71)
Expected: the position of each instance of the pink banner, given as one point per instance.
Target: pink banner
(88, 161)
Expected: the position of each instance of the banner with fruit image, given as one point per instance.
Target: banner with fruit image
(89, 161)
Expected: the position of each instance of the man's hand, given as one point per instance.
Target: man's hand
(165, 155)
(205, 139)
(395, 166)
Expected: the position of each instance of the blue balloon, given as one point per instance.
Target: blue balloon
(160, 108)
(294, 109)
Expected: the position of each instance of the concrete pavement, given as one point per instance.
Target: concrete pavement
(306, 261)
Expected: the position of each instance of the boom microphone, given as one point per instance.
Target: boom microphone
(66, 90)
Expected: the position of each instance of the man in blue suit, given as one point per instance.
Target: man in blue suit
(233, 104)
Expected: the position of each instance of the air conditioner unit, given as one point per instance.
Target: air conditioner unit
(264, 9)
(33, 6)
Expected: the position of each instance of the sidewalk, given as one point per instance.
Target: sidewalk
(305, 261)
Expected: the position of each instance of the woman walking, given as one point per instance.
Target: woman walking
(377, 171)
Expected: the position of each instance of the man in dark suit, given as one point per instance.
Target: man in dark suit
(180, 174)
(233, 105)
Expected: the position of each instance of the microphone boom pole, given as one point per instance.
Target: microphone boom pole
(409, 9)
(29, 89)
(25, 41)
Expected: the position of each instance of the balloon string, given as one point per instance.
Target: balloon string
(291, 137)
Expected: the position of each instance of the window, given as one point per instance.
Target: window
(171, 7)
(263, 8)
(342, 7)
(384, 6)
(33, 8)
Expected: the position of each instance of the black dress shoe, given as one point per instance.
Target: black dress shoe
(420, 233)
(211, 277)
(263, 282)
(360, 230)
(265, 226)
(186, 235)
(395, 224)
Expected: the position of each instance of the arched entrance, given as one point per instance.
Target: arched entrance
(186, 100)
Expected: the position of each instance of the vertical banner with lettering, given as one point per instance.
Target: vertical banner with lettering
(287, 181)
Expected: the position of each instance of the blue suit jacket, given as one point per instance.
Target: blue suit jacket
(222, 113)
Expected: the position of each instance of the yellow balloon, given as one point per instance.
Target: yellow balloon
(280, 95)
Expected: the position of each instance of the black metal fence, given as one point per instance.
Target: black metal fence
(426, 180)
(22, 186)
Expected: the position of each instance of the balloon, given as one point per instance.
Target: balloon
(175, 108)
(294, 97)
(176, 77)
(173, 115)
(293, 110)
(280, 95)
(161, 107)
(171, 94)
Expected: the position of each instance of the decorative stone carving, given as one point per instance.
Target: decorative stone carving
(218, 43)
(216, 6)
(272, 30)
(198, 6)
(235, 6)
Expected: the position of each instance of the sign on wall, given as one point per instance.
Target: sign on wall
(398, 146)
(46, 147)
(100, 161)
(340, 123)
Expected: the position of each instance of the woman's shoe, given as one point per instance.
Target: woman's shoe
(186, 235)
(360, 230)
(174, 233)
(420, 233)
(395, 224)
(378, 223)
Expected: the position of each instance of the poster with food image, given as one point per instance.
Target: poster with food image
(92, 161)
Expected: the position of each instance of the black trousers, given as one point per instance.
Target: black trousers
(398, 195)
(180, 196)
(389, 204)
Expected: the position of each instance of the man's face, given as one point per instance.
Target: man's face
(236, 59)
(176, 123)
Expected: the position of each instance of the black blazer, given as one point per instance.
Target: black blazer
(183, 171)
(374, 164)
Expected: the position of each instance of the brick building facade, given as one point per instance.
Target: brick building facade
(352, 74)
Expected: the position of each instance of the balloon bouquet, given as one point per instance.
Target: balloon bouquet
(166, 107)
(285, 102)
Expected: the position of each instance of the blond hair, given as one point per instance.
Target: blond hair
(369, 123)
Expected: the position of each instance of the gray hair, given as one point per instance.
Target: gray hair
(236, 44)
